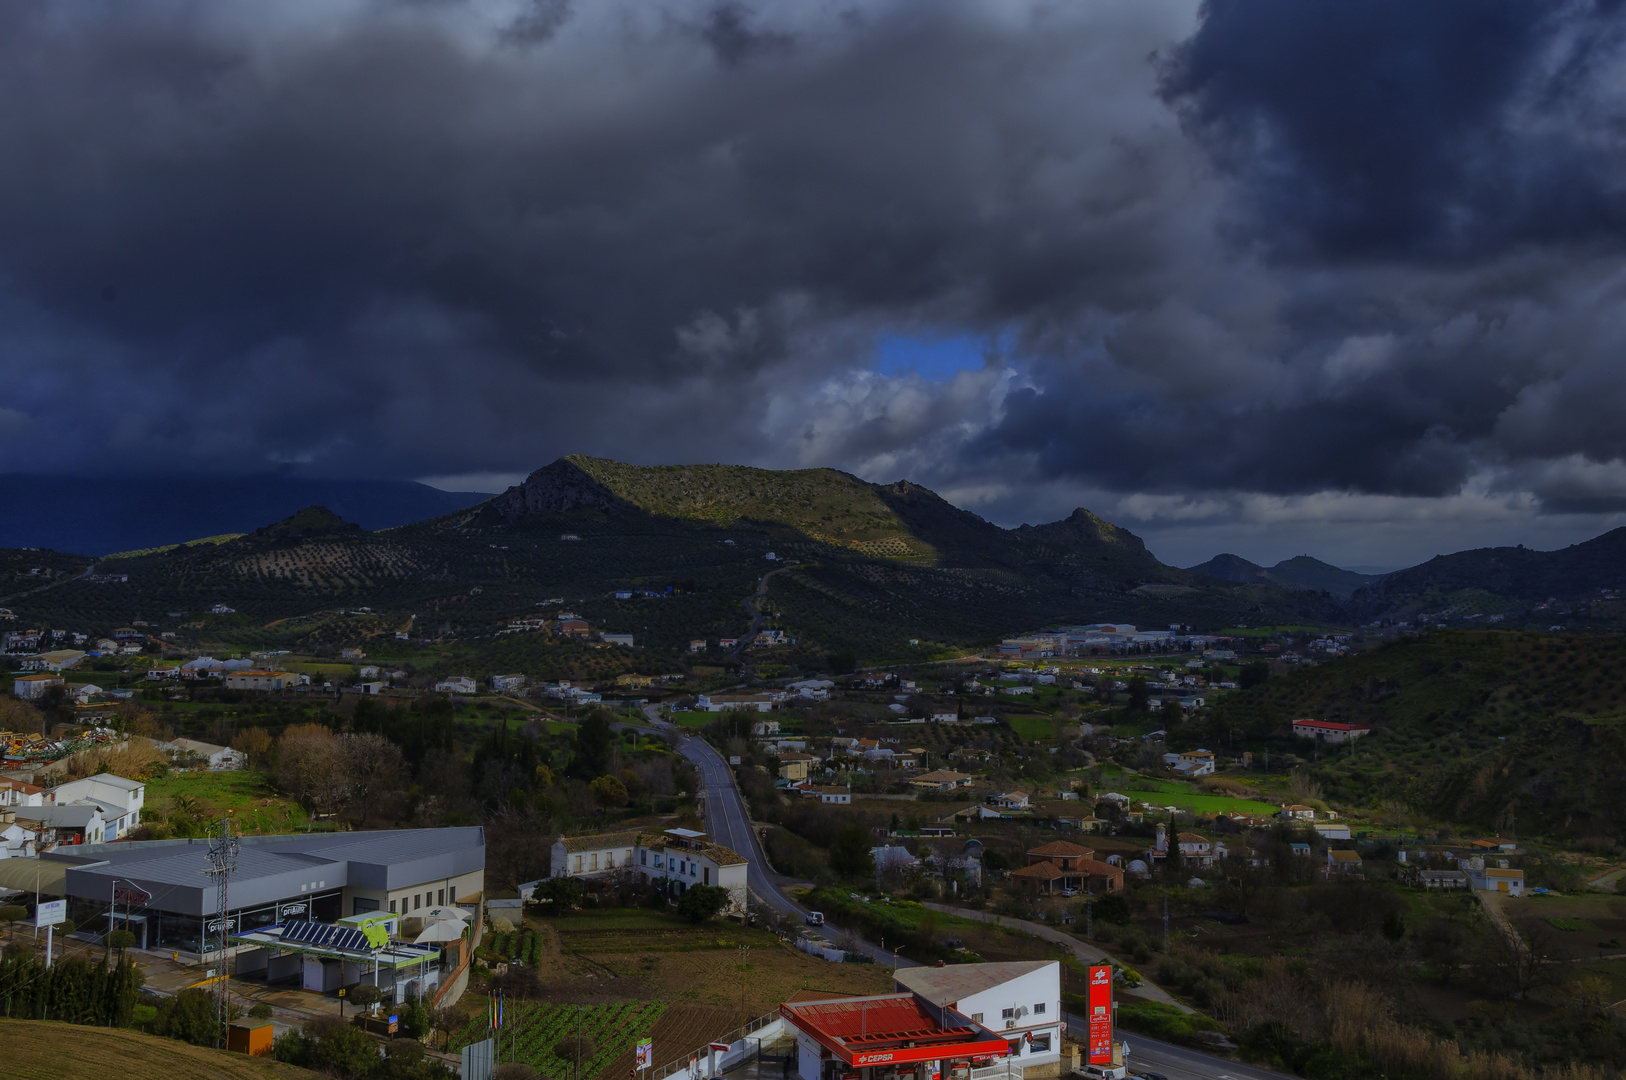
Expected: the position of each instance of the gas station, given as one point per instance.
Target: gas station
(887, 1037)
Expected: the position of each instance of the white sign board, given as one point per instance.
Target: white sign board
(50, 912)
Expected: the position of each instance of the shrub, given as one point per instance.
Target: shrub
(189, 1016)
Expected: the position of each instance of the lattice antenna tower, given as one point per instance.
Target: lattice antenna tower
(222, 864)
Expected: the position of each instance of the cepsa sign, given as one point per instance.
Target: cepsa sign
(1100, 1019)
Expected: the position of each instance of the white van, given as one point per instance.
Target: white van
(1104, 1072)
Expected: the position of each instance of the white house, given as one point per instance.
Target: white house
(33, 687)
(1329, 732)
(17, 840)
(1191, 762)
(457, 684)
(121, 800)
(835, 796)
(1020, 1001)
(677, 859)
(218, 758)
(17, 793)
(1011, 800)
(502, 684)
(727, 702)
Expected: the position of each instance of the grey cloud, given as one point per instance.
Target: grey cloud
(1313, 247)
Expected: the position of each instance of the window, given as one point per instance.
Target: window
(1038, 1010)
(392, 907)
(442, 903)
(1015, 1046)
(1007, 1014)
(976, 1018)
(643, 858)
(1041, 1043)
(417, 900)
(578, 864)
(595, 860)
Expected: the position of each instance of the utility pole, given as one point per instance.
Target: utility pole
(222, 862)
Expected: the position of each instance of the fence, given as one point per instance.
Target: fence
(731, 1057)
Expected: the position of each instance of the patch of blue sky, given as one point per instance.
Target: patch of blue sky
(936, 359)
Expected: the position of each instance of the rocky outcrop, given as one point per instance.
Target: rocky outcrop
(553, 489)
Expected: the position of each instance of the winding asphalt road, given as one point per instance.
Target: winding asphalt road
(729, 825)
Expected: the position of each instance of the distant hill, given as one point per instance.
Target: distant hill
(1299, 572)
(1582, 580)
(101, 515)
(875, 565)
(1505, 730)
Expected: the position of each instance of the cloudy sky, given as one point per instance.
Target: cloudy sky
(1267, 276)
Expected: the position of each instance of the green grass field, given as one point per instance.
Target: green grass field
(692, 719)
(249, 799)
(1033, 727)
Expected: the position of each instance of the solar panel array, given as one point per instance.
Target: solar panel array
(325, 936)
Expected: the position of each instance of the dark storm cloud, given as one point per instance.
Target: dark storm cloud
(1305, 247)
(1387, 127)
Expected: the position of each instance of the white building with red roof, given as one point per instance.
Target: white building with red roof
(1329, 731)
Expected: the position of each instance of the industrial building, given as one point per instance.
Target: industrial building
(165, 895)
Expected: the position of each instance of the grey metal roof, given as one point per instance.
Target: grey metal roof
(72, 816)
(946, 985)
(274, 868)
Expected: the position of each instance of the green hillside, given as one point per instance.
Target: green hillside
(1501, 729)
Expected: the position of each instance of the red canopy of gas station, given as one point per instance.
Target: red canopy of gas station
(890, 1029)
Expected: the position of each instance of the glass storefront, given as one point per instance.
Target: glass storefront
(169, 931)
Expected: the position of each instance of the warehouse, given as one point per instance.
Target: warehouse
(164, 892)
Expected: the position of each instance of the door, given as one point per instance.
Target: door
(1501, 886)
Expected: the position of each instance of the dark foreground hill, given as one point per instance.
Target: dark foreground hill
(872, 566)
(1509, 730)
(100, 515)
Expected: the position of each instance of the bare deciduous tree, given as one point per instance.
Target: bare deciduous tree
(374, 769)
(310, 767)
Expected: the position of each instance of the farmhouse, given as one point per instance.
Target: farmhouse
(256, 679)
(676, 860)
(941, 780)
(1329, 732)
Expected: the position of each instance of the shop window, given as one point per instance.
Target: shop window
(1041, 1043)
(360, 905)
